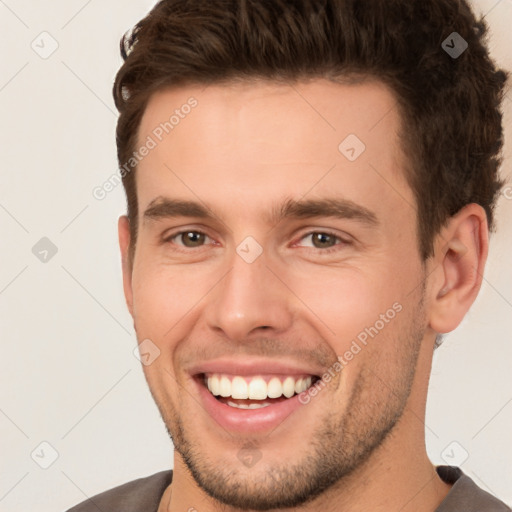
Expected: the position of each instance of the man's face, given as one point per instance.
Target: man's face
(246, 293)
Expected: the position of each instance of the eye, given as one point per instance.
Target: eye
(190, 238)
(324, 240)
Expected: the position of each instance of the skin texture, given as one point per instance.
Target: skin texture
(359, 444)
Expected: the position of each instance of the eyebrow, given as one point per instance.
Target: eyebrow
(164, 207)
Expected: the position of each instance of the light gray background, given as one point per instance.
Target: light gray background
(68, 374)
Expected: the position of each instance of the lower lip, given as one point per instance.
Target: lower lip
(247, 420)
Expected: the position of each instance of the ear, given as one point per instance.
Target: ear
(460, 254)
(123, 228)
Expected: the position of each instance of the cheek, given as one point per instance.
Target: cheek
(161, 299)
(345, 300)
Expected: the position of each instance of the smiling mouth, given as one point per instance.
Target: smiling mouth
(255, 392)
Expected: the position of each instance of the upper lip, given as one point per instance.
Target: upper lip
(252, 366)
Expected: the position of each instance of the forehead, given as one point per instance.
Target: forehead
(256, 139)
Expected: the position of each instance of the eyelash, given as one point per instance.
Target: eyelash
(309, 233)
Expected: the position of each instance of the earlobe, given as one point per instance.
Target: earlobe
(123, 227)
(461, 255)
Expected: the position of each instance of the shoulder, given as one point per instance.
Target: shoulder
(466, 495)
(141, 495)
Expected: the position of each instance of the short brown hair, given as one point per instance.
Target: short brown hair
(450, 107)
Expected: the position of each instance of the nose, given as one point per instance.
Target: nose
(252, 298)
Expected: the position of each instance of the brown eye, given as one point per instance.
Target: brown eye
(192, 238)
(323, 240)
(323, 243)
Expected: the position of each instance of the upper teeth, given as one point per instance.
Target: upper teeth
(256, 388)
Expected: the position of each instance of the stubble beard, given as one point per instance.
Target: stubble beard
(341, 444)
